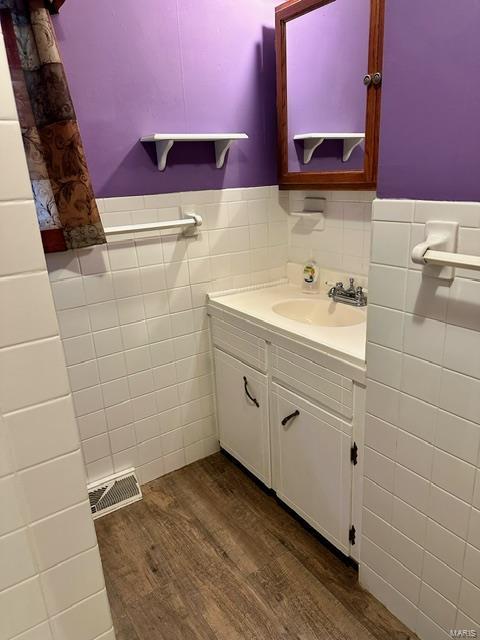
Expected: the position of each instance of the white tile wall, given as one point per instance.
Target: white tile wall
(342, 241)
(133, 321)
(421, 537)
(51, 580)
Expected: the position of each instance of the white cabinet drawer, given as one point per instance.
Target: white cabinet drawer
(239, 343)
(243, 414)
(322, 385)
(312, 471)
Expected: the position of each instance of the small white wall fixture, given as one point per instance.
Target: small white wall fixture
(311, 141)
(437, 252)
(165, 141)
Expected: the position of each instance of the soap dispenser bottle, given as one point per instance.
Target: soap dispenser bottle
(310, 276)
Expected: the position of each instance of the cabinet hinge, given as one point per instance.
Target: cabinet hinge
(351, 535)
(354, 454)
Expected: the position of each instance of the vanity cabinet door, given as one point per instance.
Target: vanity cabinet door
(311, 464)
(242, 411)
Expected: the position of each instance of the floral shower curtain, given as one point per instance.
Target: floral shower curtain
(66, 208)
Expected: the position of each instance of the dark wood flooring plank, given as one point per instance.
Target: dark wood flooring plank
(209, 555)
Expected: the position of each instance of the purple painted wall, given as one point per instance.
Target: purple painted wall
(430, 132)
(327, 57)
(199, 66)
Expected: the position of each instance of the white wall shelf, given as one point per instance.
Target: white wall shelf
(165, 141)
(313, 140)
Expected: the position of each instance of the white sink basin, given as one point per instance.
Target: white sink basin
(322, 313)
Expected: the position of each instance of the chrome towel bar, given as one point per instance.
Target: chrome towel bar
(192, 220)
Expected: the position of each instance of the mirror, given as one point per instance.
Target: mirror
(329, 83)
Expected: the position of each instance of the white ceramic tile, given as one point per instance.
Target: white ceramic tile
(382, 402)
(88, 400)
(384, 365)
(153, 279)
(147, 428)
(439, 576)
(445, 545)
(149, 252)
(122, 255)
(21, 607)
(460, 395)
(386, 286)
(453, 475)
(409, 521)
(73, 322)
(108, 341)
(436, 607)
(393, 210)
(379, 469)
(390, 243)
(103, 315)
(98, 288)
(100, 469)
(449, 511)
(13, 167)
(426, 296)
(54, 485)
(122, 438)
(83, 375)
(62, 265)
(385, 327)
(115, 391)
(78, 349)
(11, 505)
(470, 600)
(414, 343)
(417, 417)
(21, 247)
(96, 448)
(413, 453)
(15, 559)
(112, 367)
(130, 310)
(467, 214)
(119, 415)
(462, 309)
(63, 535)
(32, 373)
(459, 437)
(411, 488)
(68, 293)
(93, 260)
(421, 379)
(61, 591)
(377, 499)
(42, 432)
(472, 565)
(92, 424)
(88, 619)
(462, 350)
(126, 283)
(39, 632)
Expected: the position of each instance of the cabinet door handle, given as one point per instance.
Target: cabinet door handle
(293, 415)
(249, 396)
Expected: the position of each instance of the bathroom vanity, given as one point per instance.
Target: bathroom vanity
(290, 393)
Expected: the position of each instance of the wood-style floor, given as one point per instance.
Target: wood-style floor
(208, 554)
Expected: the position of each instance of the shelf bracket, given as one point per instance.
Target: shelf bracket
(349, 145)
(221, 148)
(162, 148)
(309, 146)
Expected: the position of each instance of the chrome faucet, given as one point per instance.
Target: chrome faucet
(352, 295)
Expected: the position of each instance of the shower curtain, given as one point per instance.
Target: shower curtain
(64, 198)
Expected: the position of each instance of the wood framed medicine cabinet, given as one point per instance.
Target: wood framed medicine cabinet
(362, 173)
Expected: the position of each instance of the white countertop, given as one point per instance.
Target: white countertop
(256, 305)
